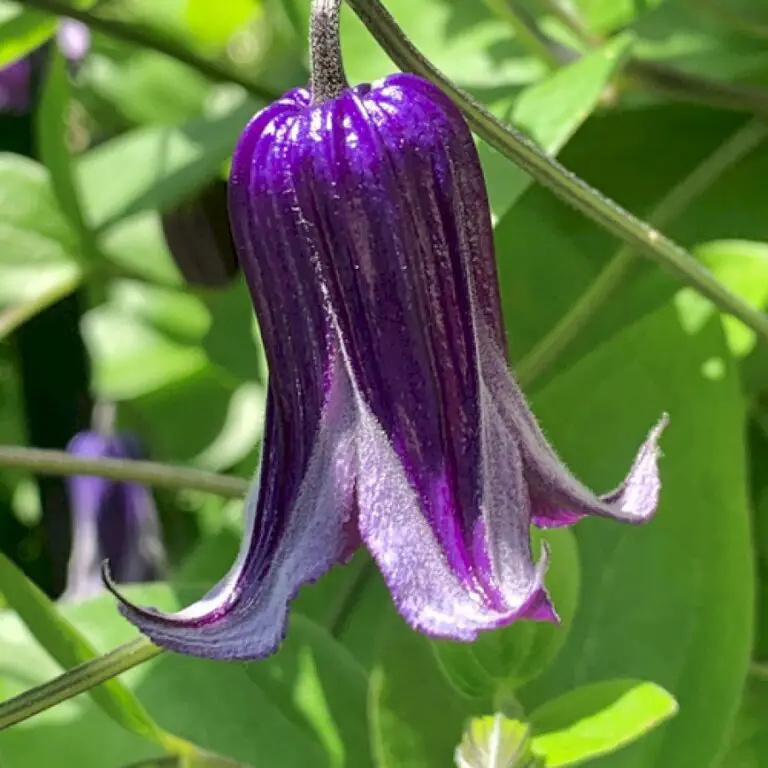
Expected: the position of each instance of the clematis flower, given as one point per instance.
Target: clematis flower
(17, 78)
(110, 520)
(362, 225)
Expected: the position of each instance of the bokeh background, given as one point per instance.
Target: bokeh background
(657, 103)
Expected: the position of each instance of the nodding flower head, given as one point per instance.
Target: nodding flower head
(362, 225)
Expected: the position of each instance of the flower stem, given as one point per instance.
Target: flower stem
(605, 212)
(145, 472)
(76, 681)
(328, 78)
(129, 33)
(544, 354)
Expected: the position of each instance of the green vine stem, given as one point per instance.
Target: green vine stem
(76, 681)
(213, 70)
(144, 472)
(680, 197)
(605, 212)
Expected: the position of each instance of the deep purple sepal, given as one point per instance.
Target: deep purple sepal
(363, 229)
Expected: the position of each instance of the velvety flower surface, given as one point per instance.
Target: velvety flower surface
(111, 520)
(363, 229)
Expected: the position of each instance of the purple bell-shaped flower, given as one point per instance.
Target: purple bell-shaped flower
(112, 520)
(362, 225)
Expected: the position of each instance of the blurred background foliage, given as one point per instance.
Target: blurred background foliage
(657, 103)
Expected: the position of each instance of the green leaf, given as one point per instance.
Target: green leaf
(495, 742)
(506, 658)
(609, 15)
(145, 87)
(550, 112)
(461, 37)
(22, 31)
(416, 716)
(597, 719)
(70, 648)
(354, 605)
(689, 39)
(146, 359)
(545, 249)
(749, 743)
(227, 429)
(214, 23)
(158, 166)
(659, 602)
(742, 265)
(38, 250)
(137, 245)
(303, 707)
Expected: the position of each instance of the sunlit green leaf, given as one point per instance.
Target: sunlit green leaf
(22, 30)
(156, 167)
(495, 742)
(38, 249)
(65, 644)
(742, 265)
(597, 719)
(550, 112)
(214, 23)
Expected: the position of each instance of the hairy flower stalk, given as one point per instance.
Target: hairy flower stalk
(362, 225)
(111, 520)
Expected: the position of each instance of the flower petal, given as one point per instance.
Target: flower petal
(558, 498)
(403, 246)
(244, 615)
(431, 596)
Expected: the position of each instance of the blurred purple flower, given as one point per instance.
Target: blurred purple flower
(73, 39)
(111, 520)
(17, 78)
(363, 229)
(15, 84)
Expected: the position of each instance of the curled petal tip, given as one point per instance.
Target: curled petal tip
(560, 500)
(539, 606)
(637, 499)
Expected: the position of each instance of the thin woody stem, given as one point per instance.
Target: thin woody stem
(48, 462)
(76, 681)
